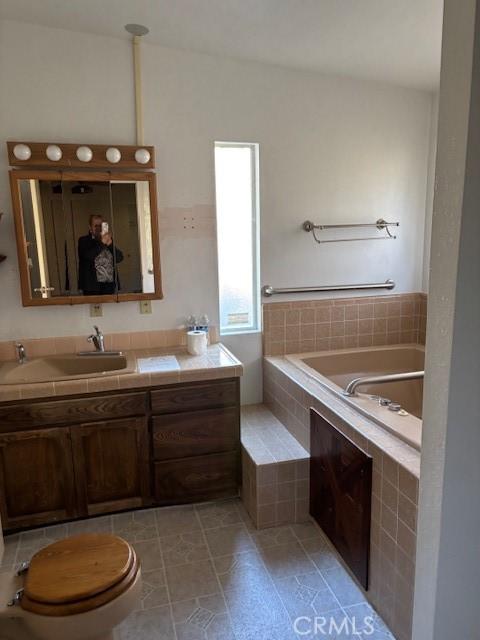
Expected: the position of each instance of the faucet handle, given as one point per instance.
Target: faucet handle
(97, 330)
(21, 352)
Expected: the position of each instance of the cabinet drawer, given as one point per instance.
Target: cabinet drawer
(195, 433)
(70, 411)
(221, 393)
(199, 478)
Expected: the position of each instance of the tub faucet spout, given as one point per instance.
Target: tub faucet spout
(350, 389)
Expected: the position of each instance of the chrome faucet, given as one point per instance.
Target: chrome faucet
(21, 353)
(98, 339)
(350, 389)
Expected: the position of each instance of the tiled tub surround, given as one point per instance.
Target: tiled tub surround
(334, 369)
(218, 362)
(209, 575)
(339, 323)
(289, 393)
(275, 470)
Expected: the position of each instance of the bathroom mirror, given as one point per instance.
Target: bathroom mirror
(86, 237)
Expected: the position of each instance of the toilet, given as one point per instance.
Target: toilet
(79, 588)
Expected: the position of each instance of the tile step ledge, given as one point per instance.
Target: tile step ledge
(275, 470)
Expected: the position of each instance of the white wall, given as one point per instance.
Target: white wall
(448, 558)
(331, 149)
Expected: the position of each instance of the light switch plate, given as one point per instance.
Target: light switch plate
(96, 310)
(145, 306)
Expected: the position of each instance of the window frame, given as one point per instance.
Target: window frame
(255, 325)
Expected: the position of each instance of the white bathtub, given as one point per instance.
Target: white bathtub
(335, 369)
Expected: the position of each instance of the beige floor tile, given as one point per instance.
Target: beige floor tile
(204, 626)
(191, 580)
(273, 536)
(219, 514)
(256, 612)
(172, 520)
(208, 574)
(243, 572)
(149, 554)
(152, 624)
(299, 593)
(307, 531)
(92, 525)
(344, 588)
(286, 560)
(225, 541)
(187, 547)
(154, 589)
(321, 554)
(135, 526)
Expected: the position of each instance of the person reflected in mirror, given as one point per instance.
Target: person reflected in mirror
(97, 259)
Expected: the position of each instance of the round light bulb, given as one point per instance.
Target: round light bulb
(22, 152)
(142, 156)
(53, 152)
(84, 154)
(113, 155)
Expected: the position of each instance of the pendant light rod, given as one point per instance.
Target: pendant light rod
(137, 31)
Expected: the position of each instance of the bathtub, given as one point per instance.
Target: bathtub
(335, 369)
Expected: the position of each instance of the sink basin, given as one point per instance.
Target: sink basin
(63, 367)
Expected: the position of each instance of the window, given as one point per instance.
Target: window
(236, 187)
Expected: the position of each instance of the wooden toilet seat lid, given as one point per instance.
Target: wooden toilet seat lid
(78, 568)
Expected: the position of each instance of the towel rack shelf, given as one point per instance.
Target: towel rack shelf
(268, 290)
(380, 224)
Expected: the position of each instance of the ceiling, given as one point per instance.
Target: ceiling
(396, 41)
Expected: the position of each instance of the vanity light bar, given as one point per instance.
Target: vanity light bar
(95, 156)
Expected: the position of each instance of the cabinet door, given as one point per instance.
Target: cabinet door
(198, 478)
(340, 493)
(194, 396)
(195, 433)
(111, 465)
(36, 482)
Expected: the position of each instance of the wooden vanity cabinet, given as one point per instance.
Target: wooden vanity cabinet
(196, 442)
(110, 460)
(36, 478)
(92, 454)
(94, 460)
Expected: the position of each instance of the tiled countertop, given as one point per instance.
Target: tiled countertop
(218, 362)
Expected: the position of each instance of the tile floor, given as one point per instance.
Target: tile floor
(208, 574)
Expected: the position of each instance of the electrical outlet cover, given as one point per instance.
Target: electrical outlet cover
(145, 306)
(96, 310)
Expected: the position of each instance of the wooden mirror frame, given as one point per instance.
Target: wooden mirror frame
(81, 176)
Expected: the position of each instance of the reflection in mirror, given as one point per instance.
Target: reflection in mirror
(93, 254)
(88, 237)
(133, 231)
(46, 239)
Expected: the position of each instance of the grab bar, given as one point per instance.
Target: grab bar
(391, 377)
(269, 291)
